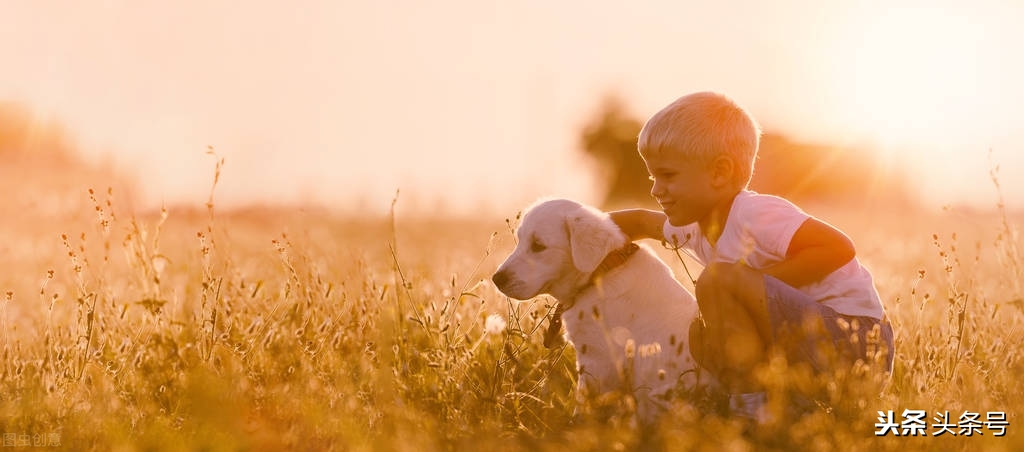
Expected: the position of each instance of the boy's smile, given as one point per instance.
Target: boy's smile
(689, 191)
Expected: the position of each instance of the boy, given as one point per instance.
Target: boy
(775, 278)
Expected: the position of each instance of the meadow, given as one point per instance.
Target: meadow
(188, 328)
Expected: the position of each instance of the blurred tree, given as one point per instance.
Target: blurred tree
(815, 172)
(42, 173)
(23, 136)
(610, 139)
(796, 171)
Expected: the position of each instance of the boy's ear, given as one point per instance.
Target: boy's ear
(723, 171)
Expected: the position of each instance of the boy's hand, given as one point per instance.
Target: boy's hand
(640, 223)
(816, 250)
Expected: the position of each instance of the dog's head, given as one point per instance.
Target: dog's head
(561, 243)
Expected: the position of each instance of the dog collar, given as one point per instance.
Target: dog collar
(612, 260)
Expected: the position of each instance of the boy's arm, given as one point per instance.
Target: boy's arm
(816, 250)
(640, 223)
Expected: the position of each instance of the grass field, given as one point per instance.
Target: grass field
(290, 328)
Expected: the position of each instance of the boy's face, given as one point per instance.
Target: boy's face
(687, 190)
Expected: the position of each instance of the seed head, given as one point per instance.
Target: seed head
(494, 324)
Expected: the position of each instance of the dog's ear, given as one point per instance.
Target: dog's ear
(591, 238)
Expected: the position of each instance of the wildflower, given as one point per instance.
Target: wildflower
(494, 324)
(159, 263)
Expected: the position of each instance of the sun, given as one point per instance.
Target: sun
(914, 76)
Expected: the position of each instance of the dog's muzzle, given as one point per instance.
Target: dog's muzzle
(501, 280)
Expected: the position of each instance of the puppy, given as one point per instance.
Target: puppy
(623, 309)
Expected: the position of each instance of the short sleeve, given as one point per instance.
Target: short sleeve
(771, 222)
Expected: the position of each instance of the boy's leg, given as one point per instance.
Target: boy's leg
(736, 333)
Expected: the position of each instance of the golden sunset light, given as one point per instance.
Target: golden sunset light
(934, 85)
(338, 102)
(511, 225)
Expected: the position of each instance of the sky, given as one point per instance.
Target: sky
(477, 106)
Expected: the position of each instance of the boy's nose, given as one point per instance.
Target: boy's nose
(656, 190)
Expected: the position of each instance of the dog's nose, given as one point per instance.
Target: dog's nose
(500, 279)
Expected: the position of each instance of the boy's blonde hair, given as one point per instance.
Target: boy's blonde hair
(702, 126)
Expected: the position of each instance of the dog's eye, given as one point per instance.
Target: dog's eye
(536, 246)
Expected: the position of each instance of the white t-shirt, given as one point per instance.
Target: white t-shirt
(758, 231)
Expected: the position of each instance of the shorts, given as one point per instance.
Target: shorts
(793, 316)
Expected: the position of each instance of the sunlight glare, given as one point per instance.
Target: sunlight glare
(917, 75)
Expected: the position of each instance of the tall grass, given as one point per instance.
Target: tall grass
(295, 329)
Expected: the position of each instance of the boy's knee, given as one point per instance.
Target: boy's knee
(729, 284)
(720, 276)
